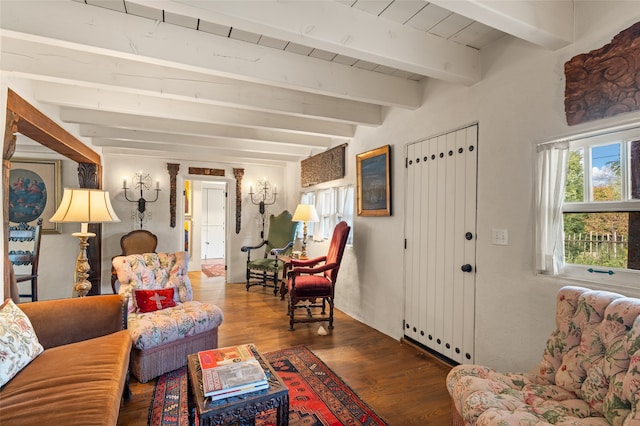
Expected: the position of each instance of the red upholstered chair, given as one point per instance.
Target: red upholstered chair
(314, 279)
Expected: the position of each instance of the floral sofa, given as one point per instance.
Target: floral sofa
(589, 373)
(165, 323)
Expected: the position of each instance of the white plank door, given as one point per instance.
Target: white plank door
(440, 235)
(213, 224)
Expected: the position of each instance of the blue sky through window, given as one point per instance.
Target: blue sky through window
(601, 156)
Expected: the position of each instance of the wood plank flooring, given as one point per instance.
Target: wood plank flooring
(402, 384)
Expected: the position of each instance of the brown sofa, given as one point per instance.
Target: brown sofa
(82, 374)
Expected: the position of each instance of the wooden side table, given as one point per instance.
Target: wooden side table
(240, 409)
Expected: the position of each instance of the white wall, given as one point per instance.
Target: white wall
(519, 103)
(171, 239)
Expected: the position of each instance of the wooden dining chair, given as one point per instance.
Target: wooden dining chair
(26, 253)
(312, 282)
(138, 241)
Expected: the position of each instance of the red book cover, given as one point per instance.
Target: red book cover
(213, 358)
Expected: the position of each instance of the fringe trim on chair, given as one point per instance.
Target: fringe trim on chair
(456, 418)
(151, 363)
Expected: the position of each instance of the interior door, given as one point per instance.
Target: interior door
(213, 224)
(440, 235)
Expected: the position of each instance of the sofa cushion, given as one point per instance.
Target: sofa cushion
(75, 384)
(154, 300)
(153, 329)
(19, 344)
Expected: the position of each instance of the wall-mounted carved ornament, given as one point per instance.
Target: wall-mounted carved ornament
(173, 172)
(203, 171)
(606, 81)
(323, 167)
(238, 173)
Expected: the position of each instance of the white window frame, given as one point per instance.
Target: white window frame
(617, 279)
(331, 210)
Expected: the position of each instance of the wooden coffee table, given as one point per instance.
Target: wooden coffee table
(241, 409)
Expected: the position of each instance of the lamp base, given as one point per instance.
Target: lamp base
(82, 286)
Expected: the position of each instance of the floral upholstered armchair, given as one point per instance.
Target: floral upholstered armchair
(589, 373)
(165, 323)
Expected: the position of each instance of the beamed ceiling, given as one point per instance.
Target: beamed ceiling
(254, 82)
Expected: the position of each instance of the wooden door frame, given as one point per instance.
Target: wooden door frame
(24, 118)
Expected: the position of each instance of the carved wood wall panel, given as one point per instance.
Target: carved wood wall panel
(173, 172)
(203, 171)
(604, 82)
(238, 173)
(323, 167)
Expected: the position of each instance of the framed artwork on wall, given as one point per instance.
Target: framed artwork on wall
(373, 169)
(187, 198)
(35, 191)
(187, 236)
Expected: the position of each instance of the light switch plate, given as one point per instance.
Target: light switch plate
(500, 237)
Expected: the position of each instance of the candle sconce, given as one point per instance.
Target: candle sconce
(263, 197)
(141, 182)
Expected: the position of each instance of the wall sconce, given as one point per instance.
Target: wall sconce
(142, 182)
(263, 197)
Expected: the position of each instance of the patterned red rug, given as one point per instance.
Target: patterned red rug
(215, 269)
(317, 396)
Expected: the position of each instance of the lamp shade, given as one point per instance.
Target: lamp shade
(305, 213)
(85, 206)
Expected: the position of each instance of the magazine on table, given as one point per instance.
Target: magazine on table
(231, 371)
(212, 358)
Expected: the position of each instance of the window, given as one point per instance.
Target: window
(601, 209)
(333, 205)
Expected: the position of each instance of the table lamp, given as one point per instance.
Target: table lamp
(81, 205)
(305, 213)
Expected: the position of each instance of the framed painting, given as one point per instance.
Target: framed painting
(187, 198)
(187, 235)
(374, 182)
(34, 191)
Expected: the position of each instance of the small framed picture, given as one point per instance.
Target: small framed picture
(34, 191)
(187, 198)
(373, 169)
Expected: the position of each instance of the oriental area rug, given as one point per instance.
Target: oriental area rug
(213, 268)
(317, 396)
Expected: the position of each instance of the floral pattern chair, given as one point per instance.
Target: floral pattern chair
(589, 373)
(163, 333)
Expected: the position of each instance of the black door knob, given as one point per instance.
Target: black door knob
(467, 268)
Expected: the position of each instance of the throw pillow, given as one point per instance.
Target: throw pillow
(154, 300)
(19, 344)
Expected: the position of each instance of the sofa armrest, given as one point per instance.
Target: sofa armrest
(63, 321)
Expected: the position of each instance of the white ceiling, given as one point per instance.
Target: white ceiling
(252, 82)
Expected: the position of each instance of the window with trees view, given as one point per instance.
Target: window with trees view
(602, 203)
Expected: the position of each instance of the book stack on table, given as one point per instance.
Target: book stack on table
(231, 371)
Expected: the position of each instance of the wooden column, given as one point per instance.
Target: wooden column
(173, 172)
(238, 173)
(89, 176)
(11, 127)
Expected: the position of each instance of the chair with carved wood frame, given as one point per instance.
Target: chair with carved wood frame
(265, 271)
(23, 233)
(314, 279)
(138, 241)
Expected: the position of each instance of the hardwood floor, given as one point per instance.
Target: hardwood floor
(401, 383)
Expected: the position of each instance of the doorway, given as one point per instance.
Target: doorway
(213, 228)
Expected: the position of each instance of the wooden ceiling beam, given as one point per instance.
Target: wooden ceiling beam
(37, 126)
